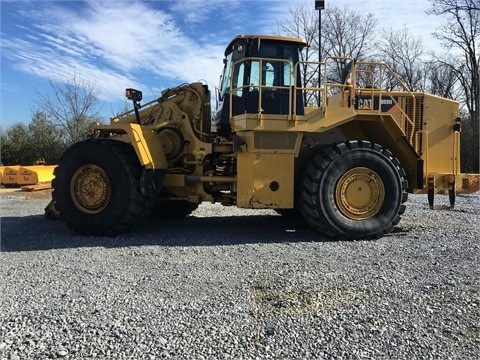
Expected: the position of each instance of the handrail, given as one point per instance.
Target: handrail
(381, 67)
(456, 153)
(376, 71)
(319, 89)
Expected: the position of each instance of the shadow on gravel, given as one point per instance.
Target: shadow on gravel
(33, 233)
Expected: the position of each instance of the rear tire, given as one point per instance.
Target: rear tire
(96, 187)
(352, 190)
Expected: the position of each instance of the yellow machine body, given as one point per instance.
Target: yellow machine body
(266, 147)
(418, 128)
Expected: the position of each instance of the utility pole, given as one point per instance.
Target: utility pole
(319, 5)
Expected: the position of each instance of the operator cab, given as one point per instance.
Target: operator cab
(259, 78)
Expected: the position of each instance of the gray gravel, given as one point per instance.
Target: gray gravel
(227, 283)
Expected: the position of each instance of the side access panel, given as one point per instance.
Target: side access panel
(265, 180)
(441, 146)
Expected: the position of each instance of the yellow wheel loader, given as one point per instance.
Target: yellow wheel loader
(343, 154)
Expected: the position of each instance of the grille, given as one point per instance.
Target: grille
(417, 121)
(275, 140)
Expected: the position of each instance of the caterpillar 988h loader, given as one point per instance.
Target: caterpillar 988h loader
(345, 165)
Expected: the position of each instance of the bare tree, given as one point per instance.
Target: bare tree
(345, 33)
(403, 53)
(72, 106)
(304, 25)
(441, 79)
(461, 35)
(348, 33)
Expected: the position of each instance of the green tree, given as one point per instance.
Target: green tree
(16, 146)
(23, 145)
(46, 139)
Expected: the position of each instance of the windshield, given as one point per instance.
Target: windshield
(237, 54)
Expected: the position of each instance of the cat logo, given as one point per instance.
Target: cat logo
(369, 103)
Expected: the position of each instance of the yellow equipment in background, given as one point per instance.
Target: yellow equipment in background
(30, 175)
(18, 176)
(10, 176)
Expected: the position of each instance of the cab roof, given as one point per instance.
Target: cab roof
(301, 43)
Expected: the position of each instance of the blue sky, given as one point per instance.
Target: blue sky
(115, 44)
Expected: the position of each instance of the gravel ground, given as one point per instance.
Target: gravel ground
(227, 283)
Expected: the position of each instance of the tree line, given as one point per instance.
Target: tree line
(63, 116)
(64, 113)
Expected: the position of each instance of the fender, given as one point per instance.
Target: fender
(144, 139)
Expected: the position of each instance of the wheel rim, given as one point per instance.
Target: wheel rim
(360, 193)
(90, 189)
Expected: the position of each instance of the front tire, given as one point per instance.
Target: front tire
(96, 187)
(352, 190)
